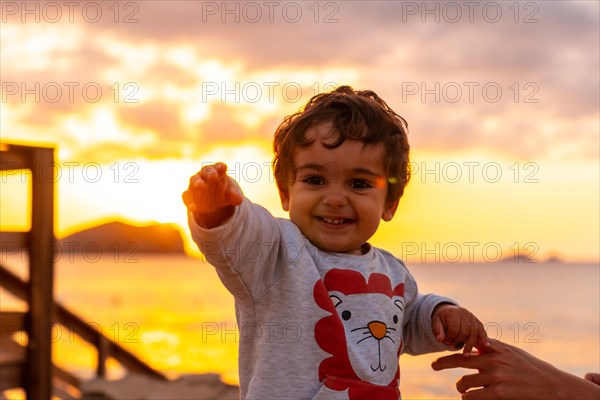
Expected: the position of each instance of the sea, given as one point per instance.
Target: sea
(173, 313)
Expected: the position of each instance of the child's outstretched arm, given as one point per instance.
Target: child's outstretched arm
(456, 325)
(212, 196)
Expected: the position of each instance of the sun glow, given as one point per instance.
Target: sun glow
(101, 125)
(198, 102)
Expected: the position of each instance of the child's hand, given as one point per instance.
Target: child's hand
(456, 326)
(211, 195)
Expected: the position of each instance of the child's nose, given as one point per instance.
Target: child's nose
(334, 199)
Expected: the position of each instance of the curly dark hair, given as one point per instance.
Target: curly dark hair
(356, 115)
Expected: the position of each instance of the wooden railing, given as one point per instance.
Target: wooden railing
(37, 379)
(12, 321)
(13, 366)
(31, 367)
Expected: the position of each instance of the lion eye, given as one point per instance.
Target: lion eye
(395, 319)
(346, 315)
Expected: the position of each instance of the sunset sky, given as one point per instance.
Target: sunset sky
(501, 98)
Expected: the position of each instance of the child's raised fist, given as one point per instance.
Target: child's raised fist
(211, 195)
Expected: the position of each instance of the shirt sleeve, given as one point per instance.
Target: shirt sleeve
(417, 330)
(244, 249)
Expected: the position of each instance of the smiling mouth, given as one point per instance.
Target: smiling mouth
(334, 221)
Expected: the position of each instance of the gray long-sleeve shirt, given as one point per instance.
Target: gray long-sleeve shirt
(315, 324)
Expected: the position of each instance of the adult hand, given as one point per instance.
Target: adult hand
(507, 372)
(593, 377)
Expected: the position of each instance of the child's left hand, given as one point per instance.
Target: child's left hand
(456, 326)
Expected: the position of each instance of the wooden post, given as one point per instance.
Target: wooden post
(41, 246)
(103, 352)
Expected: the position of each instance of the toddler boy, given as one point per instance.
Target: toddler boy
(321, 312)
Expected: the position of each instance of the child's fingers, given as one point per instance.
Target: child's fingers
(210, 173)
(474, 328)
(438, 328)
(454, 333)
(189, 201)
(219, 171)
(477, 338)
(212, 189)
(188, 198)
(197, 183)
(470, 342)
(211, 177)
(208, 190)
(231, 194)
(233, 197)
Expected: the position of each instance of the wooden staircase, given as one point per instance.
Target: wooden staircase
(13, 355)
(30, 366)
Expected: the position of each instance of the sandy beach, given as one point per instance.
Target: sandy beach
(187, 387)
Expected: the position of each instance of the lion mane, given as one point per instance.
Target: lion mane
(336, 371)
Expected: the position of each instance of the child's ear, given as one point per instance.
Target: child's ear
(390, 210)
(285, 200)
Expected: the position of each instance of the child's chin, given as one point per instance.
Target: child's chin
(338, 248)
(326, 246)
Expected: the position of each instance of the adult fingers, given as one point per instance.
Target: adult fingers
(593, 377)
(479, 394)
(471, 381)
(488, 345)
(483, 342)
(458, 361)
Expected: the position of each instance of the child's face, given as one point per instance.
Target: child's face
(339, 195)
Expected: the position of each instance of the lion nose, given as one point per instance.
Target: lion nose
(378, 329)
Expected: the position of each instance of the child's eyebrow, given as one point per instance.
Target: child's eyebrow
(365, 171)
(312, 166)
(333, 168)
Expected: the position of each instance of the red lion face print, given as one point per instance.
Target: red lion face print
(363, 333)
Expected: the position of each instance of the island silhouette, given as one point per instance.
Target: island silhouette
(152, 238)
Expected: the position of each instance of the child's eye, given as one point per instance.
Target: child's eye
(360, 184)
(314, 180)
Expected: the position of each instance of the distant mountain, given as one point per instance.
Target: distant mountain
(155, 238)
(519, 258)
(526, 258)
